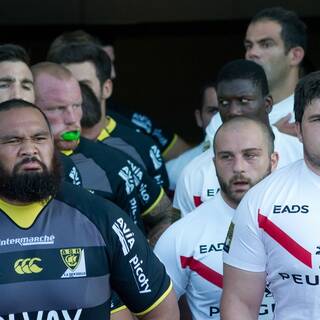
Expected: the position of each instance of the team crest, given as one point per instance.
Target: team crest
(74, 260)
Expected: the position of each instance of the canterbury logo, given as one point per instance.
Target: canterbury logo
(28, 265)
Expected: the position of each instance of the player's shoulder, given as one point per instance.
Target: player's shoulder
(191, 224)
(85, 202)
(198, 163)
(278, 181)
(103, 154)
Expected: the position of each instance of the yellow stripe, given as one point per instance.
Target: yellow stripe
(105, 132)
(67, 152)
(157, 302)
(174, 140)
(103, 135)
(23, 215)
(111, 124)
(118, 309)
(154, 204)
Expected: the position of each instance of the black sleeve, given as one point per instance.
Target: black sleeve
(137, 275)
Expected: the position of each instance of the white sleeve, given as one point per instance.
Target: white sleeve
(167, 251)
(183, 199)
(244, 247)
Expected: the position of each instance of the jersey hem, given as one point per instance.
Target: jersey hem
(155, 304)
(166, 150)
(154, 204)
(118, 309)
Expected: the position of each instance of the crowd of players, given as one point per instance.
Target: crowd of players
(88, 230)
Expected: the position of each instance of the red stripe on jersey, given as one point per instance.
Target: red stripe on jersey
(204, 271)
(197, 201)
(285, 240)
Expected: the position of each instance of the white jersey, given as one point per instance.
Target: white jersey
(198, 181)
(281, 109)
(191, 250)
(175, 166)
(276, 229)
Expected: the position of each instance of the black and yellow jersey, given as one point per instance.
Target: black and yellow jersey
(115, 176)
(60, 258)
(137, 145)
(164, 138)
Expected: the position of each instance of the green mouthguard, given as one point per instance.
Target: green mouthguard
(70, 135)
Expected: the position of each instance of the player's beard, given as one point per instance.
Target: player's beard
(27, 187)
(226, 186)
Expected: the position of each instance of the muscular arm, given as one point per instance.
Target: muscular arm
(124, 314)
(242, 293)
(185, 313)
(167, 310)
(160, 218)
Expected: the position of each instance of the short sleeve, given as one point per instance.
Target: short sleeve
(167, 251)
(183, 200)
(244, 247)
(137, 275)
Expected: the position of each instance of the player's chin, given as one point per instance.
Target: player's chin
(237, 195)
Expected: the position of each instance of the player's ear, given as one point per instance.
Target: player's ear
(274, 160)
(107, 89)
(268, 101)
(296, 55)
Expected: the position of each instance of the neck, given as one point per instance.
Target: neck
(313, 167)
(93, 132)
(284, 88)
(230, 202)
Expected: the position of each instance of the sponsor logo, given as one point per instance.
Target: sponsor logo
(133, 209)
(132, 175)
(141, 279)
(136, 171)
(28, 241)
(158, 179)
(206, 248)
(212, 192)
(290, 209)
(44, 315)
(142, 121)
(303, 279)
(126, 175)
(124, 234)
(213, 310)
(158, 134)
(74, 259)
(228, 241)
(27, 266)
(155, 155)
(144, 193)
(74, 176)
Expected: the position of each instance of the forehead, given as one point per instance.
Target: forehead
(21, 121)
(210, 97)
(82, 71)
(240, 136)
(263, 29)
(237, 88)
(312, 108)
(15, 69)
(54, 91)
